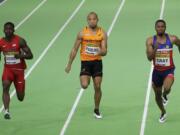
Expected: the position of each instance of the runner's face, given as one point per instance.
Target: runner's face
(8, 31)
(160, 28)
(92, 21)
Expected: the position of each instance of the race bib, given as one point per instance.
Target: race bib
(91, 50)
(162, 59)
(10, 59)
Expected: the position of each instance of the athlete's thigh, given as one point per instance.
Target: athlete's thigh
(6, 84)
(97, 69)
(157, 89)
(7, 78)
(19, 81)
(168, 82)
(157, 80)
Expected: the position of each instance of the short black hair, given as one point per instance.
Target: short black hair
(9, 23)
(93, 13)
(160, 20)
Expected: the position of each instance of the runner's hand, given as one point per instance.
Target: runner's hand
(68, 68)
(99, 52)
(19, 56)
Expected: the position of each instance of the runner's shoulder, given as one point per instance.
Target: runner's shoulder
(22, 41)
(149, 40)
(173, 38)
(1, 38)
(80, 34)
(1, 41)
(104, 33)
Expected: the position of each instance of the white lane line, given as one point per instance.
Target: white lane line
(20, 23)
(73, 109)
(63, 130)
(162, 9)
(145, 113)
(3, 2)
(49, 46)
(30, 14)
(115, 17)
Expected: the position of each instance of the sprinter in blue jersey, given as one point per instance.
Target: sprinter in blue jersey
(159, 49)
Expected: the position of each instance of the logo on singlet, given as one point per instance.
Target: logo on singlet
(14, 45)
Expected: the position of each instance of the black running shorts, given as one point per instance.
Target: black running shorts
(92, 68)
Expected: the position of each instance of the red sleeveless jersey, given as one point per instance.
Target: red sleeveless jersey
(10, 49)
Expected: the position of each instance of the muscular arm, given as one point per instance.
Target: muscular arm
(175, 40)
(103, 50)
(26, 51)
(150, 51)
(74, 52)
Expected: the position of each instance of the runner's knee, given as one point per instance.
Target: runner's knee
(97, 87)
(84, 85)
(6, 87)
(158, 93)
(167, 88)
(20, 96)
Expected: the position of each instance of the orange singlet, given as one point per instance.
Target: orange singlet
(91, 44)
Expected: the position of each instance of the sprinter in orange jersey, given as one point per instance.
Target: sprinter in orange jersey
(93, 42)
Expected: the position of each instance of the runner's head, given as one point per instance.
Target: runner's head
(160, 26)
(9, 29)
(92, 20)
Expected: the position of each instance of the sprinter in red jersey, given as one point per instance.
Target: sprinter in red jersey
(15, 51)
